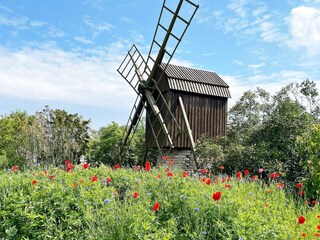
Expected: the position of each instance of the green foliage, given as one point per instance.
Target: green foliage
(308, 145)
(48, 137)
(208, 153)
(104, 147)
(64, 205)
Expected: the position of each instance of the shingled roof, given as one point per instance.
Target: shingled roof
(196, 81)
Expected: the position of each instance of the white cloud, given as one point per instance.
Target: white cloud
(271, 83)
(304, 23)
(36, 23)
(55, 32)
(48, 73)
(13, 21)
(83, 40)
(97, 28)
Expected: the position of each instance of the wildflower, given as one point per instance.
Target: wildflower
(185, 174)
(227, 186)
(239, 175)
(216, 196)
(313, 202)
(304, 235)
(208, 181)
(164, 158)
(74, 185)
(171, 162)
(318, 216)
(135, 195)
(266, 205)
(107, 200)
(116, 166)
(94, 178)
(69, 167)
(34, 182)
(299, 185)
(260, 170)
(67, 162)
(204, 233)
(184, 197)
(316, 234)
(269, 190)
(169, 174)
(203, 171)
(85, 166)
(254, 178)
(108, 180)
(149, 193)
(221, 168)
(148, 166)
(196, 209)
(246, 172)
(51, 176)
(158, 176)
(280, 185)
(318, 227)
(301, 220)
(15, 168)
(300, 193)
(137, 168)
(156, 206)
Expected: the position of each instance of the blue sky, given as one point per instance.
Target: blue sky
(65, 53)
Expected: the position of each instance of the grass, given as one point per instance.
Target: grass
(83, 204)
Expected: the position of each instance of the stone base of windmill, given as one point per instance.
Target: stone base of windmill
(179, 157)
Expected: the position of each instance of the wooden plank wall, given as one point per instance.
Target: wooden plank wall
(207, 115)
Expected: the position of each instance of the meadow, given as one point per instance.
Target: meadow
(83, 202)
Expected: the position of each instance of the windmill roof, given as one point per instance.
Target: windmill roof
(196, 81)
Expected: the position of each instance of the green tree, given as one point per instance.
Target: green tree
(65, 136)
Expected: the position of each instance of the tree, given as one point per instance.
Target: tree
(65, 136)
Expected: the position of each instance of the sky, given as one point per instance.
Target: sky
(65, 54)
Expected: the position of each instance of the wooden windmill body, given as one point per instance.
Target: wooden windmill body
(181, 103)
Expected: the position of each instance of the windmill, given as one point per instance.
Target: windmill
(144, 76)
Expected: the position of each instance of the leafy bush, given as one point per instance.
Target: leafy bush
(309, 151)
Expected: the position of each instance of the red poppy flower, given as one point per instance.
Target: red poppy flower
(67, 162)
(208, 181)
(185, 174)
(156, 206)
(158, 177)
(116, 166)
(318, 227)
(94, 178)
(169, 174)
(69, 167)
(34, 182)
(227, 186)
(108, 180)
(15, 168)
(85, 166)
(148, 166)
(318, 216)
(300, 193)
(239, 175)
(51, 176)
(304, 235)
(313, 202)
(254, 177)
(280, 185)
(246, 172)
(316, 234)
(164, 158)
(135, 195)
(221, 167)
(171, 162)
(299, 185)
(301, 220)
(203, 171)
(137, 168)
(216, 196)
(74, 185)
